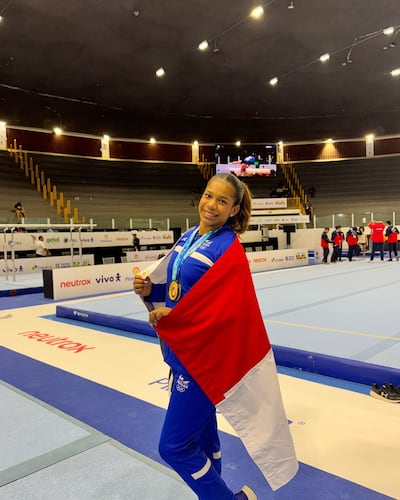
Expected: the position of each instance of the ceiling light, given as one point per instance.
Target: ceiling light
(203, 45)
(57, 130)
(238, 143)
(152, 140)
(160, 72)
(388, 31)
(291, 5)
(325, 57)
(273, 81)
(257, 12)
(395, 72)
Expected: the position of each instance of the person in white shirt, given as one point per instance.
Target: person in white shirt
(40, 248)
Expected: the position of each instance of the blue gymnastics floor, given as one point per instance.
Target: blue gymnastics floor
(336, 320)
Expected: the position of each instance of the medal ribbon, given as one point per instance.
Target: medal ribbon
(189, 248)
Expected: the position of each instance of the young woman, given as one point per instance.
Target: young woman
(363, 240)
(189, 440)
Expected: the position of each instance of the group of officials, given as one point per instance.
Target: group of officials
(358, 241)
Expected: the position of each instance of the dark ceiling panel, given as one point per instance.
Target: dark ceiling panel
(90, 67)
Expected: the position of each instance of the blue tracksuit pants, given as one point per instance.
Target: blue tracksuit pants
(189, 440)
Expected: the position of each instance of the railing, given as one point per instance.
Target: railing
(183, 222)
(353, 219)
(43, 185)
(296, 188)
(207, 169)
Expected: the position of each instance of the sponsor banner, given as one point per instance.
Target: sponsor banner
(277, 259)
(279, 219)
(93, 280)
(37, 264)
(145, 255)
(262, 203)
(65, 240)
(109, 278)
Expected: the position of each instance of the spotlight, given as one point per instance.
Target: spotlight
(257, 12)
(57, 130)
(395, 72)
(160, 72)
(324, 57)
(273, 81)
(203, 45)
(388, 31)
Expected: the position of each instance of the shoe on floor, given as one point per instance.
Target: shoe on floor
(246, 493)
(386, 392)
(393, 388)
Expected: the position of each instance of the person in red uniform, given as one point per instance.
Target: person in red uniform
(337, 238)
(377, 237)
(325, 245)
(392, 235)
(352, 242)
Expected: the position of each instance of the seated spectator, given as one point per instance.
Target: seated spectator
(19, 211)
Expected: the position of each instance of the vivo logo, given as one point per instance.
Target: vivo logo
(109, 279)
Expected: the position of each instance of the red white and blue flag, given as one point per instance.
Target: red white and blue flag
(218, 333)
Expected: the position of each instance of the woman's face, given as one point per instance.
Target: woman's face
(216, 205)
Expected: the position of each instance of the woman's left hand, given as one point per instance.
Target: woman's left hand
(157, 314)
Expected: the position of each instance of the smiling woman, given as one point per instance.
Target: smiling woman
(196, 323)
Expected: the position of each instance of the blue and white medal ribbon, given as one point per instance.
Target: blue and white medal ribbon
(174, 288)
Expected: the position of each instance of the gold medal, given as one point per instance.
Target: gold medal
(174, 290)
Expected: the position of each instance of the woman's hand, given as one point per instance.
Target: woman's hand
(142, 286)
(157, 314)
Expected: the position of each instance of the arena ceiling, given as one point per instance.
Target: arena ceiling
(89, 66)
